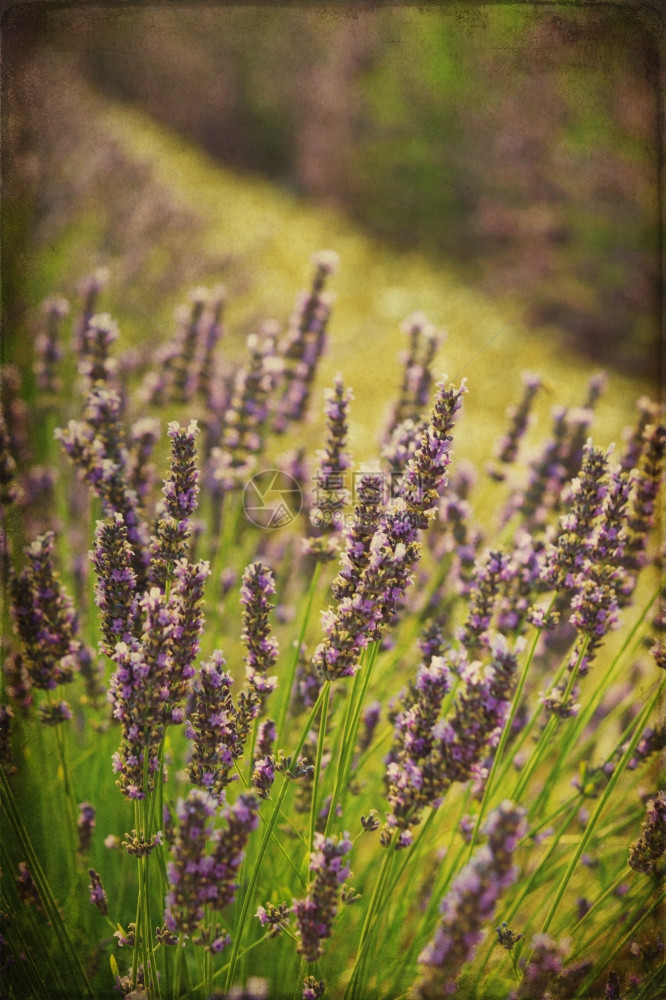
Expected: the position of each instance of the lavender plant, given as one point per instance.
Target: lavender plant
(448, 681)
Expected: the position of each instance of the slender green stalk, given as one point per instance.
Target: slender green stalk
(355, 985)
(555, 770)
(506, 732)
(291, 671)
(69, 952)
(268, 832)
(321, 736)
(616, 947)
(608, 791)
(352, 716)
(175, 985)
(276, 839)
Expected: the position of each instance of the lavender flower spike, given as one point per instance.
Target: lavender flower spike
(258, 585)
(205, 861)
(44, 617)
(212, 729)
(115, 591)
(316, 912)
(332, 493)
(426, 473)
(97, 893)
(470, 904)
(187, 601)
(180, 492)
(646, 853)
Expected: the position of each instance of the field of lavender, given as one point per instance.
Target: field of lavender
(280, 722)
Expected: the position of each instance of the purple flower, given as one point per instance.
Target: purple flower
(414, 393)
(317, 911)
(331, 493)
(263, 775)
(256, 589)
(143, 436)
(86, 824)
(96, 445)
(97, 893)
(204, 860)
(304, 344)
(313, 988)
(646, 852)
(44, 617)
(507, 448)
(470, 904)
(429, 752)
(115, 591)
(100, 333)
(180, 491)
(140, 692)
(245, 413)
(48, 349)
(212, 728)
(358, 536)
(186, 601)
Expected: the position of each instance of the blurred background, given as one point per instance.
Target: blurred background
(517, 144)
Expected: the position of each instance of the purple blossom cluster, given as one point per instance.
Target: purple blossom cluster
(212, 729)
(429, 752)
(414, 393)
(143, 436)
(48, 345)
(257, 588)
(506, 450)
(86, 824)
(470, 904)
(44, 618)
(205, 860)
(646, 853)
(545, 973)
(152, 675)
(115, 589)
(483, 596)
(359, 618)
(96, 445)
(331, 494)
(95, 363)
(426, 473)
(246, 412)
(180, 491)
(97, 893)
(316, 912)
(565, 557)
(359, 534)
(304, 344)
(362, 616)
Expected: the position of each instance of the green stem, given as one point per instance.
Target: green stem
(616, 947)
(268, 833)
(639, 725)
(352, 716)
(276, 839)
(13, 817)
(291, 671)
(354, 987)
(175, 986)
(506, 732)
(562, 755)
(321, 736)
